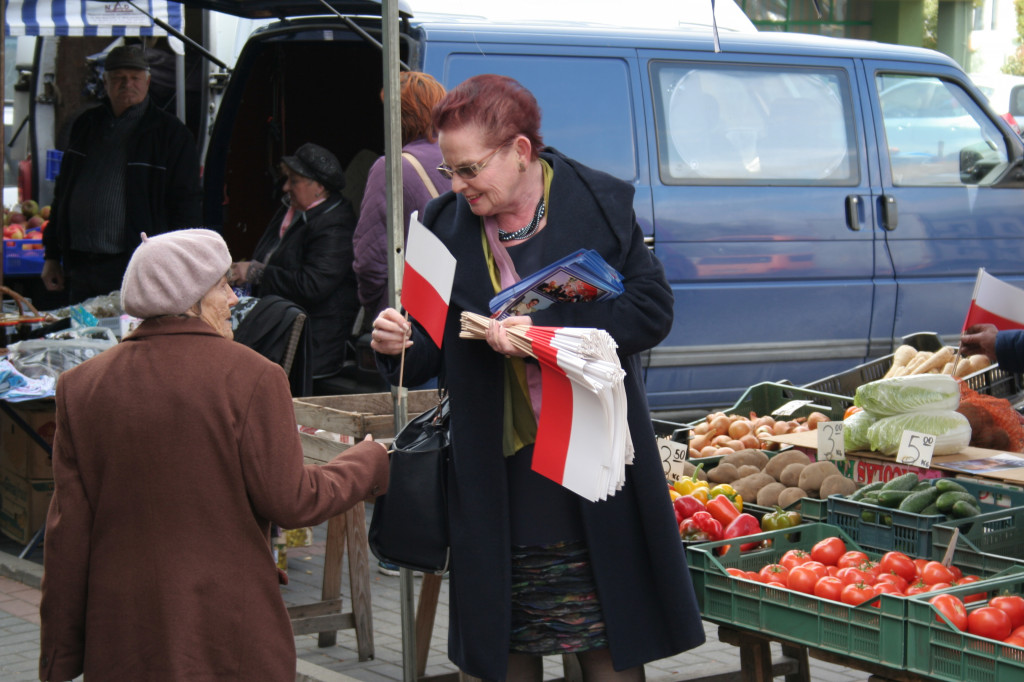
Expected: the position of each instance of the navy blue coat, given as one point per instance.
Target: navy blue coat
(642, 579)
(1010, 350)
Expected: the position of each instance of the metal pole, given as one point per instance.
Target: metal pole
(396, 249)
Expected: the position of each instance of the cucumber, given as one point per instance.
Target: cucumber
(892, 498)
(865, 489)
(930, 510)
(946, 501)
(963, 509)
(923, 485)
(915, 502)
(904, 482)
(948, 485)
(870, 498)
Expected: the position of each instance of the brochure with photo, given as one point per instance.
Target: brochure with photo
(582, 276)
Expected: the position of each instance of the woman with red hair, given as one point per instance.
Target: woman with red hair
(536, 569)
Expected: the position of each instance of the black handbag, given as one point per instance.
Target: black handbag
(409, 526)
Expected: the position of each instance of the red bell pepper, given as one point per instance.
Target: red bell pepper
(687, 506)
(744, 524)
(707, 523)
(722, 509)
(689, 532)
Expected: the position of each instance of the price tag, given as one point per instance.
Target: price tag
(916, 449)
(673, 455)
(789, 408)
(831, 445)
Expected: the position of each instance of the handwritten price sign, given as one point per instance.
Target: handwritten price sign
(916, 449)
(673, 456)
(831, 445)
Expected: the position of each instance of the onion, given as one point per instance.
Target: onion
(780, 428)
(750, 441)
(739, 428)
(813, 419)
(708, 451)
(734, 444)
(720, 424)
(697, 443)
(701, 429)
(724, 451)
(720, 440)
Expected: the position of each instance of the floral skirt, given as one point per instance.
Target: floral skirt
(555, 609)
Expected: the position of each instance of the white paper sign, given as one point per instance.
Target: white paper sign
(916, 449)
(792, 406)
(673, 455)
(831, 445)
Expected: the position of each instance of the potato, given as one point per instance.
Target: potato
(689, 467)
(836, 484)
(790, 495)
(813, 475)
(768, 496)
(780, 461)
(747, 456)
(723, 473)
(749, 486)
(790, 476)
(747, 469)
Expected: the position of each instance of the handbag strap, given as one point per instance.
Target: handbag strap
(415, 163)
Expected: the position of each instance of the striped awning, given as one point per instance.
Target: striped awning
(89, 17)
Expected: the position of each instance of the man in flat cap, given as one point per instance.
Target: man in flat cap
(129, 167)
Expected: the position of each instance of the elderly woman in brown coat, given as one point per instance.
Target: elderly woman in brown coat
(174, 452)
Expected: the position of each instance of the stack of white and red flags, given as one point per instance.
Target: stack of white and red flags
(583, 438)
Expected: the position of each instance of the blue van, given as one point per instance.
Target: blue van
(812, 199)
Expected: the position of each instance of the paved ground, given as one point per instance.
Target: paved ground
(19, 629)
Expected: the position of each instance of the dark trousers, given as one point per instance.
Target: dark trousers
(94, 274)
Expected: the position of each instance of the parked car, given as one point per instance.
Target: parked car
(804, 225)
(1005, 93)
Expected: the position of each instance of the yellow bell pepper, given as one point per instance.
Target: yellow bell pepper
(686, 486)
(729, 492)
(701, 493)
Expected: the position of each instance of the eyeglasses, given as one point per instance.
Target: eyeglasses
(474, 169)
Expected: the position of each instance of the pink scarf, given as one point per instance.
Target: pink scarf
(289, 215)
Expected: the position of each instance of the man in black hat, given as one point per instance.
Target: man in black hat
(129, 167)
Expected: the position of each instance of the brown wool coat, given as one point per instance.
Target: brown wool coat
(174, 452)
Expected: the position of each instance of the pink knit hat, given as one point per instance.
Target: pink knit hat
(170, 272)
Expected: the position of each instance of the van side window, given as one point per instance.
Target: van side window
(587, 103)
(751, 125)
(936, 134)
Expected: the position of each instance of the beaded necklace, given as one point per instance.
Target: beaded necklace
(526, 231)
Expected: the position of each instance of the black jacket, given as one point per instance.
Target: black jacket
(647, 599)
(163, 191)
(311, 266)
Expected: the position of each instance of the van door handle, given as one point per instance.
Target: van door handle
(890, 216)
(853, 212)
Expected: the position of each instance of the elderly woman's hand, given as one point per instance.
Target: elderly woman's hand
(390, 333)
(497, 336)
(239, 272)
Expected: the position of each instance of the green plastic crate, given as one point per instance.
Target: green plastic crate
(811, 510)
(910, 533)
(865, 632)
(846, 383)
(784, 400)
(992, 541)
(941, 652)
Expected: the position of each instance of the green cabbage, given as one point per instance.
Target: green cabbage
(855, 430)
(887, 397)
(951, 429)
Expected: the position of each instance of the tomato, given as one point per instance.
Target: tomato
(852, 410)
(939, 586)
(1019, 632)
(950, 606)
(896, 581)
(753, 575)
(1013, 605)
(736, 572)
(919, 564)
(852, 557)
(916, 587)
(851, 574)
(900, 564)
(828, 551)
(802, 579)
(857, 593)
(776, 583)
(820, 569)
(934, 572)
(829, 588)
(988, 621)
(794, 557)
(957, 573)
(1016, 640)
(977, 596)
(774, 572)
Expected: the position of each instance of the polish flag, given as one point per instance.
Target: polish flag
(573, 441)
(995, 302)
(427, 279)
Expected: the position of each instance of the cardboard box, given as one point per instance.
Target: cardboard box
(23, 505)
(19, 453)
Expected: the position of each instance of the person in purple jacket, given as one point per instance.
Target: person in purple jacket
(420, 92)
